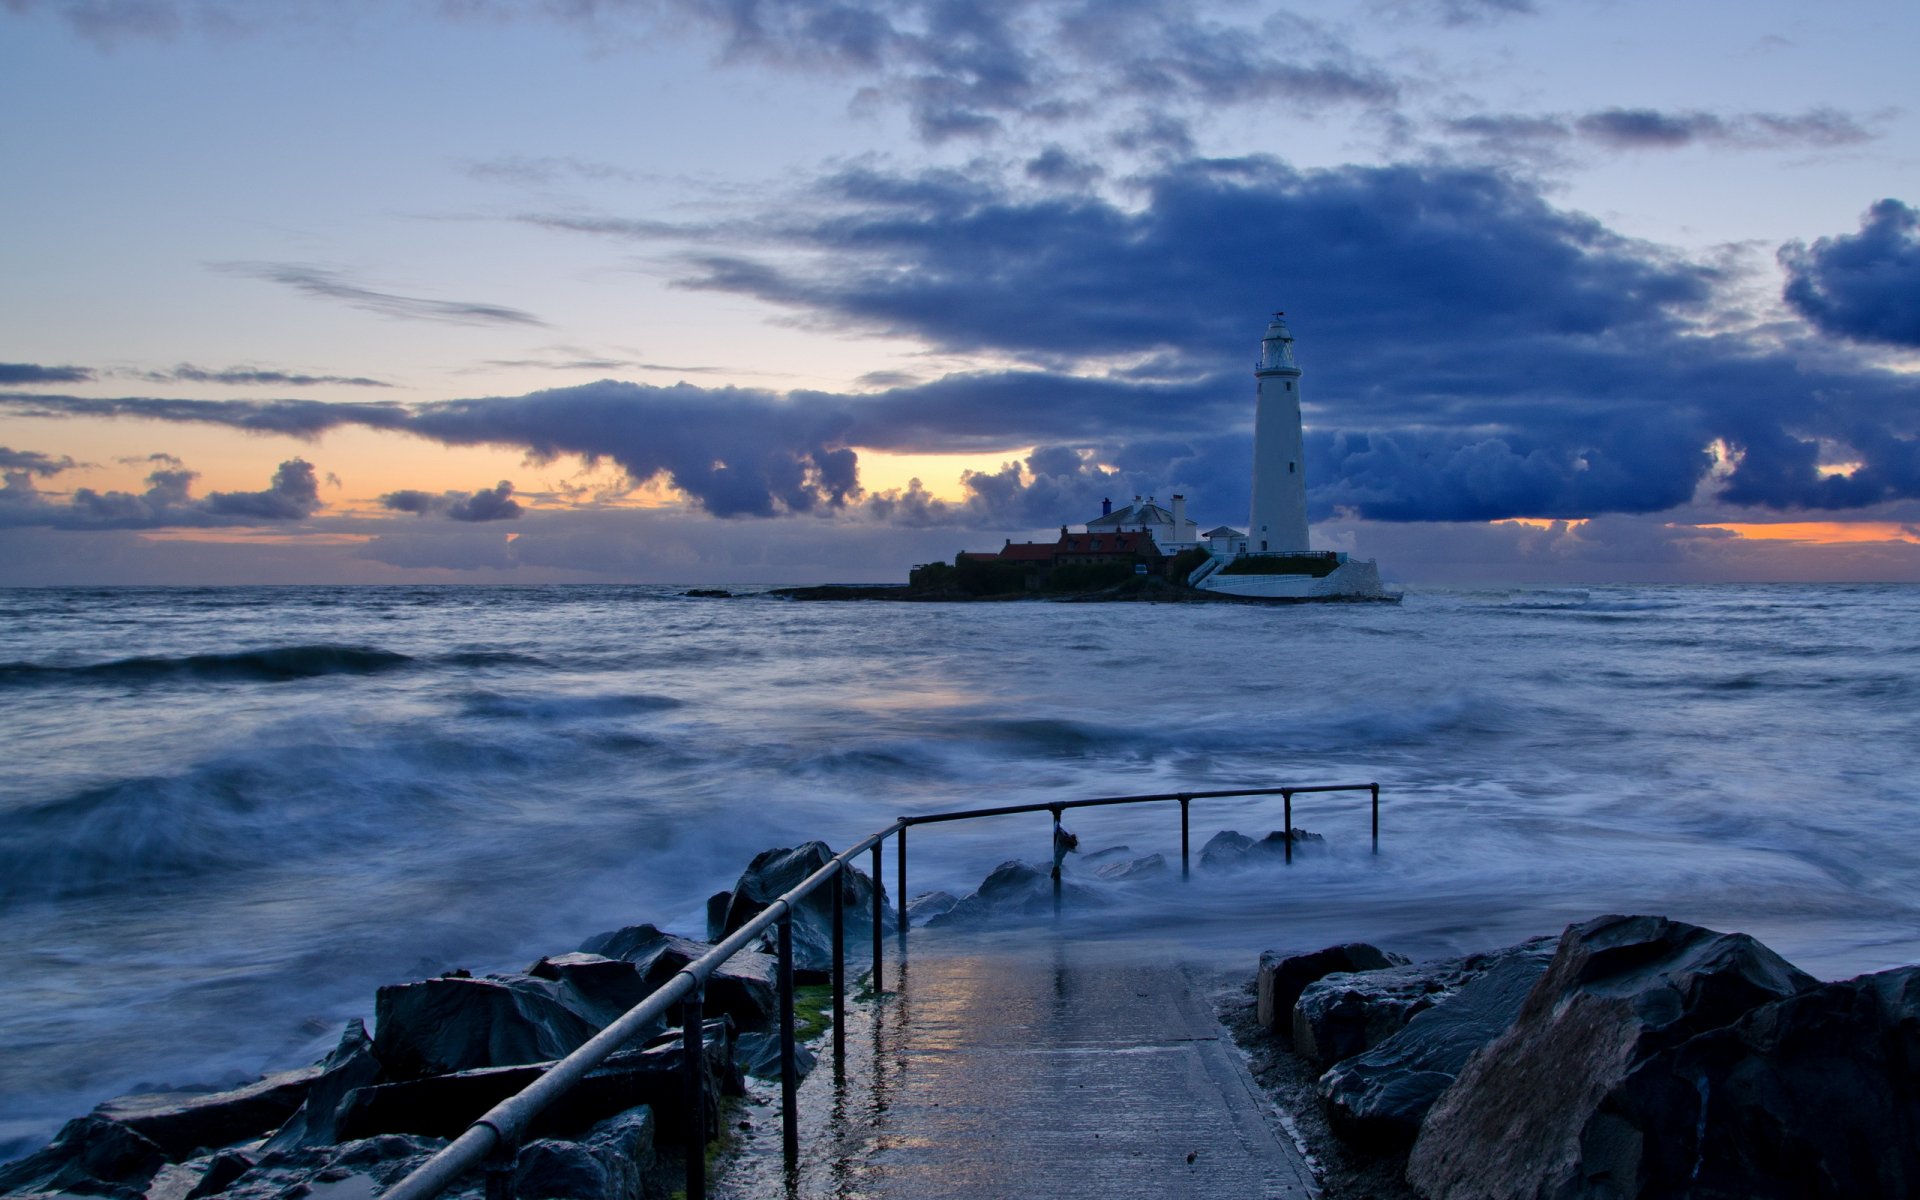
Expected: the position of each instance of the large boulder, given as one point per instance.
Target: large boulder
(1349, 1012)
(352, 1064)
(596, 987)
(354, 1168)
(745, 987)
(1013, 891)
(1283, 976)
(609, 1163)
(928, 905)
(452, 1023)
(1377, 1098)
(1128, 870)
(775, 872)
(184, 1124)
(1527, 1116)
(1230, 849)
(89, 1154)
(1814, 1096)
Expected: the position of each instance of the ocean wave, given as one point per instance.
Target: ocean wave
(277, 664)
(494, 706)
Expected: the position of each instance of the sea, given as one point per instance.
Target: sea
(228, 815)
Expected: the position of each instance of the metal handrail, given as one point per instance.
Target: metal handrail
(502, 1126)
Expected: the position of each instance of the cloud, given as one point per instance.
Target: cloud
(332, 285)
(16, 374)
(1646, 128)
(1864, 286)
(32, 462)
(252, 377)
(487, 504)
(168, 502)
(544, 170)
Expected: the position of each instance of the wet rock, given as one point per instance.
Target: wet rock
(220, 1172)
(183, 1124)
(774, 872)
(1127, 870)
(1812, 1096)
(1346, 1013)
(1378, 1098)
(1527, 1116)
(1230, 849)
(1106, 855)
(758, 1055)
(90, 1154)
(442, 1106)
(1284, 976)
(350, 1065)
(743, 987)
(356, 1168)
(437, 1026)
(610, 1163)
(1014, 890)
(595, 987)
(928, 905)
(717, 905)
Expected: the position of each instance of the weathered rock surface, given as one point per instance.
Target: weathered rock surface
(1378, 1098)
(183, 1124)
(596, 988)
(773, 872)
(758, 1055)
(609, 1163)
(438, 1026)
(1106, 854)
(443, 1106)
(1529, 1115)
(743, 987)
(1347, 1013)
(350, 1065)
(1013, 890)
(1230, 849)
(1127, 870)
(1814, 1096)
(928, 905)
(348, 1169)
(1284, 976)
(90, 1154)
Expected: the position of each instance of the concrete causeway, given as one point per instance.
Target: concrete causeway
(1029, 1064)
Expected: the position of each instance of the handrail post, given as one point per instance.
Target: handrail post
(900, 878)
(1375, 788)
(498, 1169)
(789, 1066)
(1287, 829)
(693, 1048)
(840, 972)
(1057, 859)
(879, 910)
(1185, 871)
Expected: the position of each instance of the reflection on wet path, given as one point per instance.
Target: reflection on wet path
(1030, 1066)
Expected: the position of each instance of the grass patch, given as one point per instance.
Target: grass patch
(812, 1011)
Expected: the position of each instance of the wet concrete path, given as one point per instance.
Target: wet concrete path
(1030, 1066)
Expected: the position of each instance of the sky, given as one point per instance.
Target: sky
(745, 291)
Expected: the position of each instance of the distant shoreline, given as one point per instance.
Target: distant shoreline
(1144, 589)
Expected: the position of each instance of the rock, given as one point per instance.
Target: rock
(774, 872)
(1346, 1013)
(351, 1169)
(1107, 854)
(1013, 890)
(758, 1055)
(717, 905)
(1229, 849)
(89, 1154)
(610, 1163)
(443, 1106)
(1127, 870)
(1526, 1115)
(744, 987)
(351, 1065)
(1812, 1096)
(220, 1173)
(438, 1026)
(184, 1124)
(928, 905)
(1284, 976)
(595, 987)
(1378, 1098)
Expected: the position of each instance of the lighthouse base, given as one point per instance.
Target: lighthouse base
(1349, 581)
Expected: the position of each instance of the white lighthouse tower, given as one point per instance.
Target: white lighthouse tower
(1278, 523)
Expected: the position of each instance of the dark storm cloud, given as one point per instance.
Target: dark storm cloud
(294, 418)
(252, 377)
(487, 504)
(332, 285)
(168, 502)
(1864, 286)
(16, 374)
(32, 462)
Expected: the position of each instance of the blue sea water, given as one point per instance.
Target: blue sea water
(228, 814)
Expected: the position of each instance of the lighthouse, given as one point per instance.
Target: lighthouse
(1278, 523)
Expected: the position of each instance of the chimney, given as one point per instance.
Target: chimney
(1179, 517)
(1106, 506)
